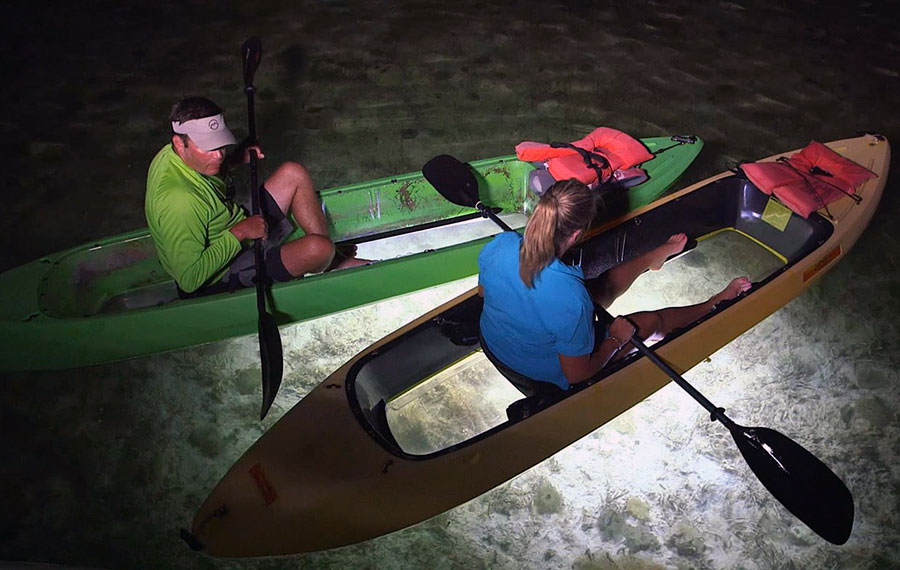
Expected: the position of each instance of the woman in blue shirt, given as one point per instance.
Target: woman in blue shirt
(538, 315)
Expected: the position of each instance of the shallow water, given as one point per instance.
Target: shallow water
(103, 465)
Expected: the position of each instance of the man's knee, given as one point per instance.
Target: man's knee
(296, 173)
(287, 182)
(321, 246)
(309, 254)
(288, 178)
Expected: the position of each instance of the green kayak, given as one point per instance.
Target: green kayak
(110, 299)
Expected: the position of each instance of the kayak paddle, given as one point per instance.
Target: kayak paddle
(457, 184)
(269, 340)
(793, 475)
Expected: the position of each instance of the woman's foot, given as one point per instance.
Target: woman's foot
(675, 244)
(732, 290)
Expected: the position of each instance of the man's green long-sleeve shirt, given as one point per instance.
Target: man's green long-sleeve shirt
(189, 219)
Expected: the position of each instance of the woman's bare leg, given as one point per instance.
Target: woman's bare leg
(654, 325)
(611, 284)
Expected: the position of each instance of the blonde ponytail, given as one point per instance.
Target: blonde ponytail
(565, 208)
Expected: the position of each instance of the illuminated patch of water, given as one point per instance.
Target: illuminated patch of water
(435, 238)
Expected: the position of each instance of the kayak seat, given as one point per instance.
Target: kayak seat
(153, 295)
(538, 395)
(460, 333)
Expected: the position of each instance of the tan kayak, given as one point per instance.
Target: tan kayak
(372, 449)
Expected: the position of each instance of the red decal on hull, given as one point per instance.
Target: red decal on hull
(259, 477)
(820, 265)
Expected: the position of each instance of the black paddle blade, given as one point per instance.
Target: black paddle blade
(452, 179)
(799, 480)
(251, 53)
(272, 361)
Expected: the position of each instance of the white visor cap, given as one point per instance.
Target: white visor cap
(208, 133)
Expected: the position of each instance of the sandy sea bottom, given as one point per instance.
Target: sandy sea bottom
(102, 465)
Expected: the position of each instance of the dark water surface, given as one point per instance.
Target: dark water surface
(102, 465)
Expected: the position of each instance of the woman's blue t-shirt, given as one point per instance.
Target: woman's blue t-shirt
(528, 328)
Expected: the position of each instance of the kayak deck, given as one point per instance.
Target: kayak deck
(439, 391)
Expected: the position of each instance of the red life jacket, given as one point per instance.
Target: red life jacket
(810, 179)
(619, 150)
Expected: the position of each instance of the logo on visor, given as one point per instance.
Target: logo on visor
(213, 125)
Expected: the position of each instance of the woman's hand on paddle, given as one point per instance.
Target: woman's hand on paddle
(622, 329)
(253, 227)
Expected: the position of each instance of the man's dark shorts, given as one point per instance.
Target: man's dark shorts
(242, 269)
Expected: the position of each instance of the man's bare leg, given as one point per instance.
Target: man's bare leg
(613, 283)
(292, 188)
(345, 257)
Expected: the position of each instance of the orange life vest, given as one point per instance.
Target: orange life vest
(618, 151)
(811, 179)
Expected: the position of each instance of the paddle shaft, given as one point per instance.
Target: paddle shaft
(255, 196)
(251, 60)
(488, 213)
(271, 357)
(715, 413)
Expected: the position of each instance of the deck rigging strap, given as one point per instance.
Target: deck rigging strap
(679, 140)
(819, 173)
(589, 158)
(809, 187)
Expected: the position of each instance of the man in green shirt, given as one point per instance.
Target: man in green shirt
(202, 236)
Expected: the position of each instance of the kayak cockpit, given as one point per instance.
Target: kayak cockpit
(432, 389)
(127, 275)
(106, 278)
